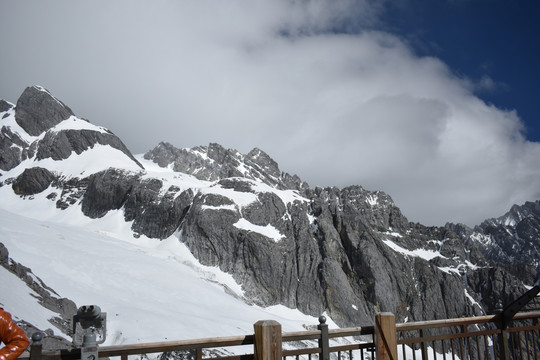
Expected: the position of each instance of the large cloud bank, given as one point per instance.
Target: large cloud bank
(316, 84)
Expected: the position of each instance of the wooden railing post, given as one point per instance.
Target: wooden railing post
(385, 336)
(324, 345)
(267, 344)
(36, 346)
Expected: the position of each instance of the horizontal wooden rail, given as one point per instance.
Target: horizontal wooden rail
(147, 348)
(301, 335)
(445, 323)
(461, 321)
(358, 331)
(297, 352)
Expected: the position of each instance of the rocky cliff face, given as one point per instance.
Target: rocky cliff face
(349, 252)
(512, 238)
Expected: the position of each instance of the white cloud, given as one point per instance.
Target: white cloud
(336, 107)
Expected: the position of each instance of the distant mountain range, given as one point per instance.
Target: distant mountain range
(346, 252)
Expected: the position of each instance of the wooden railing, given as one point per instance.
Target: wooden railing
(319, 343)
(481, 337)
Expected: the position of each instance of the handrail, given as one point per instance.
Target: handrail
(488, 341)
(218, 342)
(147, 348)
(461, 321)
(418, 336)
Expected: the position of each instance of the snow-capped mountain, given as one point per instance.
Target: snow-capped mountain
(513, 238)
(212, 237)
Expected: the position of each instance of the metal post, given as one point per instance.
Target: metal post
(36, 347)
(323, 341)
(424, 345)
(89, 349)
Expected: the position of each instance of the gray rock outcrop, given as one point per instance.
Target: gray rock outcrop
(38, 111)
(32, 181)
(214, 162)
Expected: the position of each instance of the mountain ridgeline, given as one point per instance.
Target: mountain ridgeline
(348, 252)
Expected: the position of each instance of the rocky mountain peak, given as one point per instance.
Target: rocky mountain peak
(512, 238)
(215, 162)
(41, 127)
(515, 215)
(5, 106)
(38, 110)
(266, 163)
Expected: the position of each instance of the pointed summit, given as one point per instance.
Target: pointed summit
(38, 110)
(42, 128)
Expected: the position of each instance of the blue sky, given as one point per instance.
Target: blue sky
(496, 40)
(433, 102)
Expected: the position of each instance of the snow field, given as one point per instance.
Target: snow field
(151, 290)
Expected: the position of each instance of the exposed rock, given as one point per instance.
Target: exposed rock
(38, 111)
(214, 162)
(71, 191)
(60, 145)
(4, 256)
(5, 106)
(107, 190)
(339, 263)
(266, 164)
(32, 181)
(154, 214)
(12, 149)
(512, 239)
(495, 286)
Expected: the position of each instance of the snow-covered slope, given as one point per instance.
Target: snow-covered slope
(151, 290)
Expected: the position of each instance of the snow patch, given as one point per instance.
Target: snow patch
(471, 299)
(372, 200)
(421, 253)
(482, 239)
(74, 123)
(393, 234)
(221, 207)
(269, 231)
